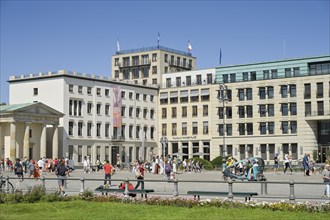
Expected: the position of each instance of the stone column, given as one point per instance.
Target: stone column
(190, 149)
(43, 141)
(12, 147)
(26, 142)
(55, 141)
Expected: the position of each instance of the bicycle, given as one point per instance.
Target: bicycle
(3, 188)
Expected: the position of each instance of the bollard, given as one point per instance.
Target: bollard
(230, 190)
(176, 188)
(266, 191)
(292, 196)
(43, 180)
(262, 188)
(82, 184)
(126, 187)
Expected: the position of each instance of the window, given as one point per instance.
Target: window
(152, 131)
(233, 77)
(194, 111)
(145, 72)
(80, 127)
(178, 81)
(307, 92)
(188, 80)
(205, 127)
(245, 76)
(152, 113)
(287, 72)
(35, 91)
(220, 130)
(135, 73)
(270, 127)
(241, 111)
(296, 71)
(89, 129)
(174, 113)
(293, 92)
(224, 78)
(249, 94)
(220, 112)
(253, 76)
(241, 128)
(166, 69)
(270, 110)
(145, 113)
(89, 90)
(293, 108)
(130, 111)
(263, 128)
(151, 98)
(130, 95)
(229, 112)
(284, 91)
(285, 127)
(107, 109)
(319, 90)
(137, 112)
(71, 88)
(284, 109)
(262, 93)
(137, 131)
(270, 92)
(164, 113)
(249, 111)
(241, 94)
(98, 129)
(98, 109)
(184, 111)
(98, 91)
(184, 128)
(308, 109)
(106, 92)
(166, 58)
(274, 74)
(107, 130)
(70, 127)
(266, 74)
(174, 126)
(195, 128)
(164, 129)
(262, 110)
(144, 97)
(205, 110)
(293, 127)
(229, 129)
(80, 89)
(122, 94)
(209, 78)
(79, 153)
(198, 79)
(130, 131)
(154, 57)
(116, 73)
(320, 108)
(137, 96)
(249, 128)
(116, 61)
(154, 69)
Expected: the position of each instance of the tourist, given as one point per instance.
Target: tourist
(306, 164)
(107, 168)
(31, 168)
(326, 180)
(287, 159)
(140, 176)
(61, 173)
(276, 164)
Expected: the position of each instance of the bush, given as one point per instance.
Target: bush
(87, 195)
(52, 197)
(217, 162)
(34, 194)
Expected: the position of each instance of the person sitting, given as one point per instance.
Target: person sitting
(130, 187)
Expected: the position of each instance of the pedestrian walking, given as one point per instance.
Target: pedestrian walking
(326, 180)
(61, 173)
(276, 164)
(108, 169)
(287, 160)
(306, 164)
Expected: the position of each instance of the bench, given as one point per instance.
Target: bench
(114, 190)
(247, 195)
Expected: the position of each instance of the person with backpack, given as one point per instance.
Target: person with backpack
(168, 169)
(18, 169)
(61, 173)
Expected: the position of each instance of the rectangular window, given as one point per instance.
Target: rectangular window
(274, 74)
(174, 115)
(174, 130)
(89, 90)
(98, 91)
(184, 111)
(293, 127)
(284, 109)
(263, 128)
(35, 91)
(296, 71)
(80, 127)
(194, 111)
(164, 129)
(79, 153)
(184, 128)
(319, 90)
(284, 91)
(270, 110)
(241, 95)
(307, 91)
(80, 89)
(233, 77)
(98, 129)
(178, 81)
(241, 128)
(205, 127)
(70, 127)
(270, 92)
(249, 94)
(229, 129)
(137, 131)
(293, 108)
(152, 113)
(71, 88)
(241, 111)
(130, 131)
(253, 76)
(245, 76)
(224, 78)
(266, 74)
(287, 72)
(188, 80)
(209, 78)
(270, 127)
(194, 128)
(249, 111)
(285, 127)
(320, 108)
(89, 129)
(308, 109)
(205, 110)
(220, 130)
(107, 109)
(262, 93)
(107, 130)
(98, 109)
(293, 92)
(249, 128)
(262, 110)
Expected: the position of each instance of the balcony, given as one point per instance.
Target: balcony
(180, 65)
(117, 138)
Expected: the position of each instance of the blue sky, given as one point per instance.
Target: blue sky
(42, 36)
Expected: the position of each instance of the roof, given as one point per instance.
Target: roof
(10, 108)
(27, 107)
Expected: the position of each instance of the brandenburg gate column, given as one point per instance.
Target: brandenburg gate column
(43, 141)
(55, 141)
(12, 147)
(26, 142)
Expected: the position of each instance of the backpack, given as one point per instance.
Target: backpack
(19, 168)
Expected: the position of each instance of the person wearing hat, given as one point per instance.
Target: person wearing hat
(276, 165)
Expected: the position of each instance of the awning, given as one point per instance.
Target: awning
(194, 93)
(205, 92)
(184, 93)
(163, 95)
(173, 94)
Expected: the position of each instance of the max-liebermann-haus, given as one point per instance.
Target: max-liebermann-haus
(270, 107)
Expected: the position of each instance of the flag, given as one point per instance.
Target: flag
(158, 39)
(220, 57)
(118, 47)
(189, 46)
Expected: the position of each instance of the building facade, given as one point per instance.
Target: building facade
(103, 118)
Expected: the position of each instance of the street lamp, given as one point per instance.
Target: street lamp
(223, 98)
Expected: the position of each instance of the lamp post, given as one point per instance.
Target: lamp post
(223, 98)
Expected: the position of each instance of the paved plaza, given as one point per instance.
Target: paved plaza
(306, 188)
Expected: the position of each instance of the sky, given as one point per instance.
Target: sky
(42, 36)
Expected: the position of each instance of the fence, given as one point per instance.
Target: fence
(267, 190)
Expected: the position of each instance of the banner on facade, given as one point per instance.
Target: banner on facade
(117, 107)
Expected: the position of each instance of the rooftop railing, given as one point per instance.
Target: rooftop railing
(146, 49)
